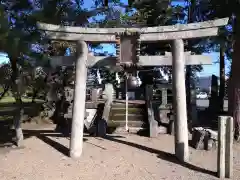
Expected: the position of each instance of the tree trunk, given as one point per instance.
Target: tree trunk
(17, 85)
(234, 93)
(17, 123)
(222, 78)
(4, 92)
(189, 72)
(188, 96)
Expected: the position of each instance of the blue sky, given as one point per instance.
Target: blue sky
(207, 69)
(3, 58)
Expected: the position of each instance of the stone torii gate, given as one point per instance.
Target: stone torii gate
(128, 52)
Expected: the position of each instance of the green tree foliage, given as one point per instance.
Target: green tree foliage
(138, 15)
(25, 45)
(211, 9)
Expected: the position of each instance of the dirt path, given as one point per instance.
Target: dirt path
(123, 157)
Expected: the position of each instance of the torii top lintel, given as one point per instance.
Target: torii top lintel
(147, 34)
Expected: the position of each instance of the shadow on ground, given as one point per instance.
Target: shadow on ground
(44, 135)
(7, 134)
(162, 155)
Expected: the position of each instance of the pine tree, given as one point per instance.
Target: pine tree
(212, 9)
(23, 42)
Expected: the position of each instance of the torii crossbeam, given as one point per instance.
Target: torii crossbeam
(101, 61)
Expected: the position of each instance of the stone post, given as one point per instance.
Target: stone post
(76, 141)
(229, 148)
(94, 95)
(164, 97)
(153, 124)
(179, 101)
(221, 146)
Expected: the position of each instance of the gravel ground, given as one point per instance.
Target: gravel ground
(120, 157)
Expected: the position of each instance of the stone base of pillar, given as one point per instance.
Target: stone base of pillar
(171, 128)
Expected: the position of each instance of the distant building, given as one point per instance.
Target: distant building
(204, 83)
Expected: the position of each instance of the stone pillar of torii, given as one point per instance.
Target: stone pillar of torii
(128, 52)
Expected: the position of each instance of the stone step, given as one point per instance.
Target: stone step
(112, 123)
(130, 110)
(131, 117)
(123, 105)
(132, 130)
(116, 103)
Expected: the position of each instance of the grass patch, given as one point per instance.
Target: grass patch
(9, 99)
(8, 106)
(5, 118)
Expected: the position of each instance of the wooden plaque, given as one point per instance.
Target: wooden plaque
(128, 49)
